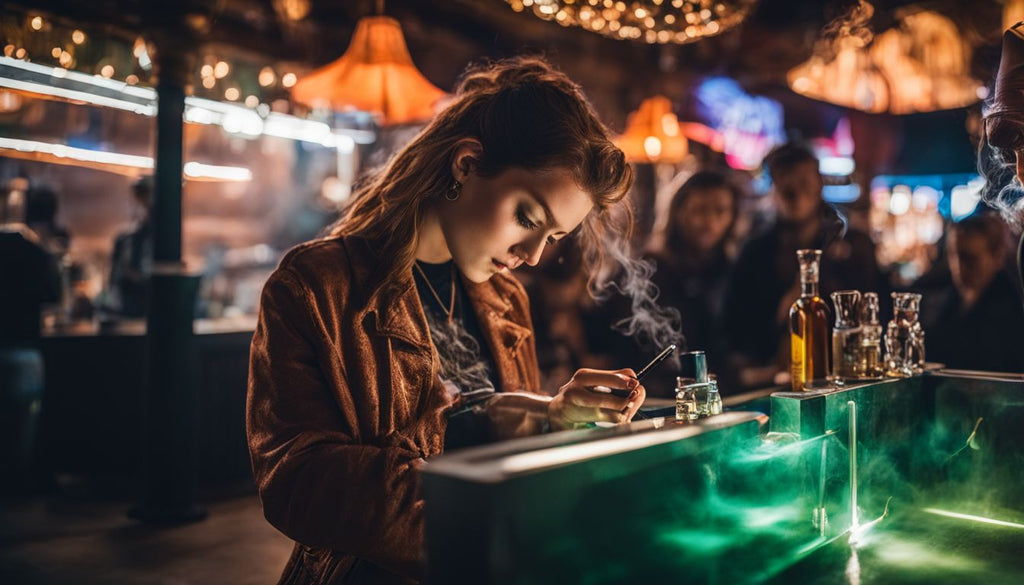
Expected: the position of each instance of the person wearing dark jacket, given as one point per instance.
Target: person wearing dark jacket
(691, 266)
(978, 321)
(29, 280)
(765, 279)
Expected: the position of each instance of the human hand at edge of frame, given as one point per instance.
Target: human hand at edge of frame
(586, 398)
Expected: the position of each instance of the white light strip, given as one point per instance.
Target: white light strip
(193, 170)
(78, 96)
(233, 118)
(982, 519)
(211, 172)
(82, 154)
(144, 93)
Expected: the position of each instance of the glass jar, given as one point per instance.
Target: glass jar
(904, 338)
(846, 336)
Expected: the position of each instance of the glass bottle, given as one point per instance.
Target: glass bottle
(870, 337)
(904, 338)
(808, 328)
(846, 336)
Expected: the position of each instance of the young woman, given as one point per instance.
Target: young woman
(371, 340)
(692, 262)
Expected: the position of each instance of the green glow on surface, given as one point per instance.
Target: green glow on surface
(971, 518)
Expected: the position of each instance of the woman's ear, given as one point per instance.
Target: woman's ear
(468, 152)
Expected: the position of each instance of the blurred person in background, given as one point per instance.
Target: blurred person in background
(977, 323)
(29, 279)
(133, 255)
(41, 217)
(692, 262)
(765, 280)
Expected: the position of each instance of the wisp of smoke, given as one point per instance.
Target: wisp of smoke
(835, 225)
(649, 323)
(1003, 190)
(851, 27)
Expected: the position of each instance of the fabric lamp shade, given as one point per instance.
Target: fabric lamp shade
(376, 74)
(653, 134)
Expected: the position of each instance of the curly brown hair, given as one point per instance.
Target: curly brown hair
(525, 114)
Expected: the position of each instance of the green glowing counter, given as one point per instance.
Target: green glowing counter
(898, 481)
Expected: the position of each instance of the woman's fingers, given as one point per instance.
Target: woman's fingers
(578, 413)
(586, 397)
(624, 379)
(633, 406)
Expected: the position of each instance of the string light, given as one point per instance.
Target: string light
(131, 79)
(65, 59)
(56, 51)
(653, 21)
(107, 71)
(252, 101)
(267, 77)
(36, 23)
(221, 69)
(21, 53)
(288, 79)
(209, 82)
(78, 37)
(231, 93)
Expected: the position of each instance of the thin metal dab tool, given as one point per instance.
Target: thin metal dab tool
(665, 353)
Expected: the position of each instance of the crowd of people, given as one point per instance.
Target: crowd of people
(733, 291)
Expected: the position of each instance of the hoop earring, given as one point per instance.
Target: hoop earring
(454, 192)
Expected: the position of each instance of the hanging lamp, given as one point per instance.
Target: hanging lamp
(376, 74)
(653, 134)
(920, 65)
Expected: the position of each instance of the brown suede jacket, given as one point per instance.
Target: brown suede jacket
(345, 403)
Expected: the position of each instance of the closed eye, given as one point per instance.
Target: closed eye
(523, 220)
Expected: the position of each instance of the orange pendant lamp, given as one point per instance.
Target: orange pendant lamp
(653, 134)
(376, 74)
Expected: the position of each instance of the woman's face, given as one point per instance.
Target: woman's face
(500, 222)
(705, 216)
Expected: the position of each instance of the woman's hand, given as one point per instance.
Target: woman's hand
(577, 402)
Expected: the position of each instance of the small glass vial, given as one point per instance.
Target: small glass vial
(871, 337)
(686, 400)
(846, 336)
(904, 338)
(714, 401)
(696, 397)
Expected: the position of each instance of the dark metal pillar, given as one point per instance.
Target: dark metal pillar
(172, 397)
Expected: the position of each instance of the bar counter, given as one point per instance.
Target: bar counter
(897, 481)
(94, 405)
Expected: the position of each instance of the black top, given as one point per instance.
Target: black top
(29, 278)
(467, 364)
(696, 290)
(987, 336)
